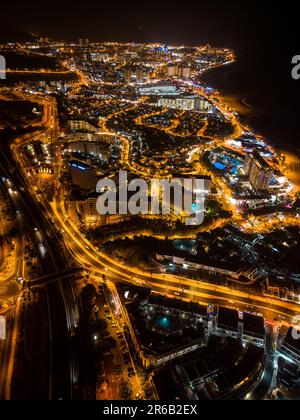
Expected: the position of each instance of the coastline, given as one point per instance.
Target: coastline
(261, 112)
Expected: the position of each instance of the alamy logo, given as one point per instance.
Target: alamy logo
(2, 67)
(296, 327)
(296, 68)
(184, 197)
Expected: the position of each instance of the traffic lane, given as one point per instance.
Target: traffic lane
(59, 372)
(62, 301)
(109, 365)
(120, 319)
(271, 311)
(117, 377)
(57, 319)
(22, 210)
(34, 216)
(18, 180)
(186, 291)
(105, 262)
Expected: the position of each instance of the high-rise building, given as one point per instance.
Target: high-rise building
(81, 125)
(83, 175)
(172, 70)
(83, 42)
(127, 75)
(247, 164)
(89, 148)
(258, 170)
(185, 72)
(139, 75)
(88, 213)
(176, 70)
(291, 345)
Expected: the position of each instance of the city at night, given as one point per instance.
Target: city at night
(149, 204)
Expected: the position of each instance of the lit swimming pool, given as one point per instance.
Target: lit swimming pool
(220, 166)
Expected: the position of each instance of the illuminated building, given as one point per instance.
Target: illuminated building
(186, 102)
(247, 164)
(185, 72)
(228, 322)
(127, 75)
(291, 345)
(140, 75)
(88, 148)
(253, 329)
(81, 125)
(259, 172)
(192, 264)
(84, 176)
(83, 42)
(173, 70)
(207, 181)
(159, 89)
(87, 211)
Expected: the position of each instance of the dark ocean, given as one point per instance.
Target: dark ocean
(271, 92)
(265, 40)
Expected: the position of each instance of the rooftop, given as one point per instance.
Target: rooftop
(82, 166)
(291, 342)
(254, 324)
(228, 318)
(260, 160)
(155, 299)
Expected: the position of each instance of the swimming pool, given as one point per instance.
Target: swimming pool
(220, 166)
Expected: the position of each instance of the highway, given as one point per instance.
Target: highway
(88, 256)
(62, 296)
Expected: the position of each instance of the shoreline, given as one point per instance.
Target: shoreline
(248, 109)
(255, 105)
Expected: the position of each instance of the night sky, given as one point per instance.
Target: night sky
(264, 32)
(229, 22)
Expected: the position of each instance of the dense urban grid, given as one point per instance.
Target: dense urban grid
(140, 307)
